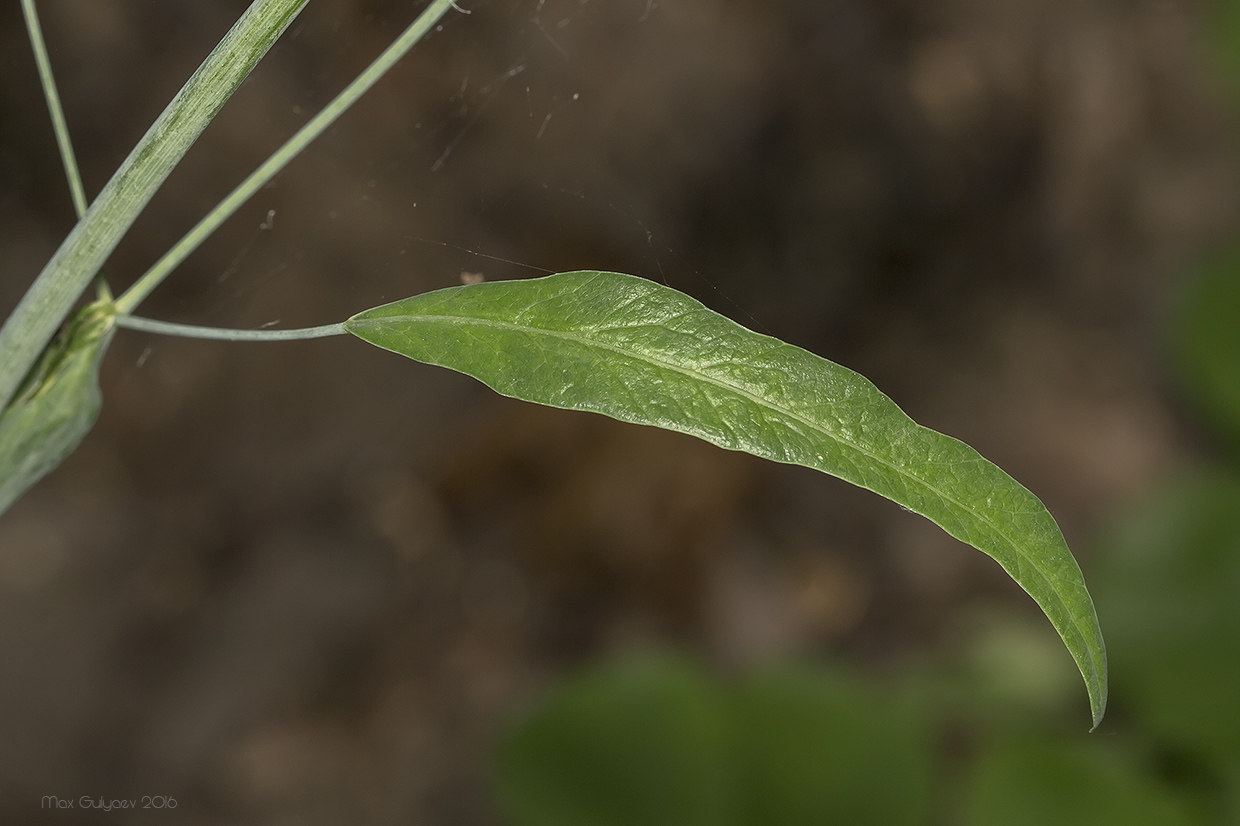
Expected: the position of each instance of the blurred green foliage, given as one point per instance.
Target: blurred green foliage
(629, 743)
(1206, 333)
(820, 746)
(1207, 340)
(658, 741)
(1222, 30)
(1035, 783)
(1169, 585)
(661, 741)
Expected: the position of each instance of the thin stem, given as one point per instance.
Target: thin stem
(67, 159)
(168, 328)
(51, 297)
(272, 166)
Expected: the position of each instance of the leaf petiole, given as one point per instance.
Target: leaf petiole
(168, 328)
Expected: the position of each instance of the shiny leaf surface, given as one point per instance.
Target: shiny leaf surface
(644, 353)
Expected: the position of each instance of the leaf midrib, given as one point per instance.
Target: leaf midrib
(693, 374)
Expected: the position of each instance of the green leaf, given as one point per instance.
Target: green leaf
(57, 404)
(644, 353)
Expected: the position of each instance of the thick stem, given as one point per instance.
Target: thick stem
(49, 300)
(431, 15)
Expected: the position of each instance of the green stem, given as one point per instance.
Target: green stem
(272, 166)
(168, 328)
(52, 296)
(67, 159)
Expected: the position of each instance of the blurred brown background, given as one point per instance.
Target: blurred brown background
(309, 582)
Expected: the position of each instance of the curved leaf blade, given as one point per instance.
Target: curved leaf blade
(57, 404)
(644, 353)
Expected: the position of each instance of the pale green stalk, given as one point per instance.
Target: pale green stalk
(49, 300)
(76, 190)
(272, 166)
(168, 328)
